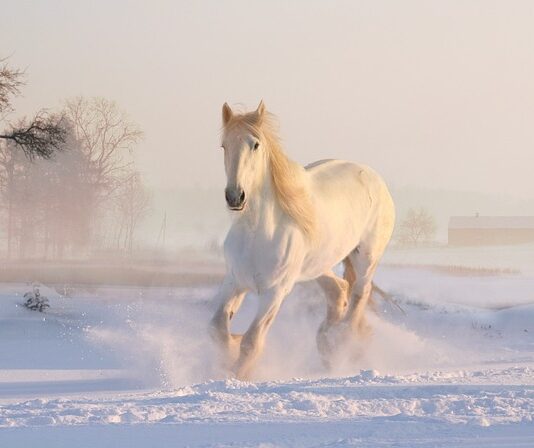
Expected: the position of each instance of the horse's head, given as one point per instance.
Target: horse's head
(245, 158)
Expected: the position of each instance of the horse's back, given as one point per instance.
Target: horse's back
(334, 173)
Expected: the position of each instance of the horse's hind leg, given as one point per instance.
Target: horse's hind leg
(365, 258)
(349, 274)
(365, 263)
(336, 290)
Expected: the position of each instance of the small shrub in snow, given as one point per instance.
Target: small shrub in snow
(35, 301)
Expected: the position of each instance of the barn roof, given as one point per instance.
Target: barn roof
(491, 222)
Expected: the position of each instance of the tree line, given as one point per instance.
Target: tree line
(68, 180)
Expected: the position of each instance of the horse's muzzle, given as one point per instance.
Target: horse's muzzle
(235, 198)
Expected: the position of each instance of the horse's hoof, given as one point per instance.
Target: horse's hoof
(241, 374)
(364, 329)
(232, 349)
(330, 341)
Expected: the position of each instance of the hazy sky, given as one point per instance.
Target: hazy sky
(430, 93)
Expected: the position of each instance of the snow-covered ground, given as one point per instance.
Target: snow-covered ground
(134, 367)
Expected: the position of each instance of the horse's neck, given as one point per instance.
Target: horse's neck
(263, 212)
(266, 210)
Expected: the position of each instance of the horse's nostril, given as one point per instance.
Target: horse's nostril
(242, 197)
(227, 196)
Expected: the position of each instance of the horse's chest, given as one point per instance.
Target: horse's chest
(257, 262)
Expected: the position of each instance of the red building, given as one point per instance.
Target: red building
(490, 230)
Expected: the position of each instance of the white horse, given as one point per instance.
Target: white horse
(294, 224)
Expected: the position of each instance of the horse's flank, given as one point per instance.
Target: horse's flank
(288, 177)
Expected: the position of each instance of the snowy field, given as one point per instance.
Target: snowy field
(134, 367)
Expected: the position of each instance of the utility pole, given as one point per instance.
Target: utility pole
(162, 232)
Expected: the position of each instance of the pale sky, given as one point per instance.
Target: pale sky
(430, 93)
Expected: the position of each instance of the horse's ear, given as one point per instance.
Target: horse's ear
(259, 114)
(226, 113)
(260, 111)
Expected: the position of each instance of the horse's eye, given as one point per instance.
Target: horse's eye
(256, 145)
(222, 147)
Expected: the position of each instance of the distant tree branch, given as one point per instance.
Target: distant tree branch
(10, 83)
(44, 135)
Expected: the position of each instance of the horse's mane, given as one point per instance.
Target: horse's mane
(286, 175)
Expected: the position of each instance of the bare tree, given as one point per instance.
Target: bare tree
(41, 136)
(107, 136)
(417, 227)
(59, 206)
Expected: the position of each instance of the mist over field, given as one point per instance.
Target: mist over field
(118, 173)
(435, 97)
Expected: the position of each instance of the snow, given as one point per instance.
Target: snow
(514, 257)
(134, 367)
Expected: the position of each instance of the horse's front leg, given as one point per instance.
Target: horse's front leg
(254, 339)
(230, 298)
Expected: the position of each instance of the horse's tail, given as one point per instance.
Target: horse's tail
(387, 297)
